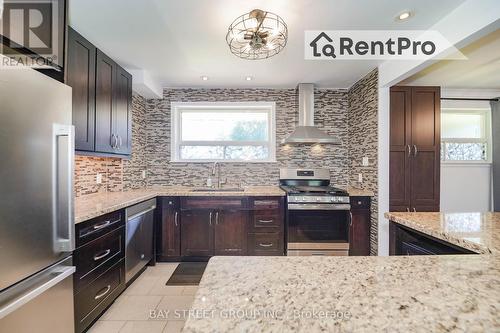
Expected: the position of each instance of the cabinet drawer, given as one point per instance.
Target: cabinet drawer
(266, 203)
(92, 229)
(360, 202)
(212, 203)
(266, 244)
(96, 257)
(102, 290)
(263, 220)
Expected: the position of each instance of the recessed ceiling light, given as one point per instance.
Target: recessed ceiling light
(204, 78)
(404, 15)
(249, 78)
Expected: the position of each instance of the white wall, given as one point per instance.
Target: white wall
(466, 188)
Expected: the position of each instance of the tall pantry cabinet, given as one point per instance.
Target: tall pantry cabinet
(414, 149)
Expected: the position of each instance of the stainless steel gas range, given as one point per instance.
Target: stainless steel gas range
(318, 215)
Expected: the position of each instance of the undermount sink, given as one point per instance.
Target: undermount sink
(224, 189)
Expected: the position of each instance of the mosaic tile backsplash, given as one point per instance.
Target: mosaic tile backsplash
(363, 142)
(331, 116)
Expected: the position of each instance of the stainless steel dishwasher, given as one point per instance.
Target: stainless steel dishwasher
(139, 240)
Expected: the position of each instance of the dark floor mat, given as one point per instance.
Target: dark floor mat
(187, 274)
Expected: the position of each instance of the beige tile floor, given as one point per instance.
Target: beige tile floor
(148, 305)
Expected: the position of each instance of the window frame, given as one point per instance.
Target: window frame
(486, 139)
(176, 108)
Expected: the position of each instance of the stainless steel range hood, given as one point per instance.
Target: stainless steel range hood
(306, 132)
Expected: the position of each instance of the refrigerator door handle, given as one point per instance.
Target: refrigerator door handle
(51, 279)
(62, 188)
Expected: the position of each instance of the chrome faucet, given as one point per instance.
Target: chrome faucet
(216, 168)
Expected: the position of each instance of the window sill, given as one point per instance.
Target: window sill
(221, 161)
(466, 164)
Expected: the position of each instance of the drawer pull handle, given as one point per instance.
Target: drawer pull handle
(266, 244)
(266, 221)
(102, 294)
(318, 254)
(102, 255)
(102, 225)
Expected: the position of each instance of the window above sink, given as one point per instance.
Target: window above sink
(223, 132)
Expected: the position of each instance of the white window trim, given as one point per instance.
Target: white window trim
(175, 140)
(487, 131)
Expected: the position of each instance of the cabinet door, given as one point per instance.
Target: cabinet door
(105, 140)
(197, 238)
(122, 116)
(359, 233)
(400, 149)
(230, 232)
(170, 242)
(425, 140)
(81, 78)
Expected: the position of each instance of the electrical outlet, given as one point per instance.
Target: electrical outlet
(365, 161)
(360, 177)
(143, 174)
(98, 178)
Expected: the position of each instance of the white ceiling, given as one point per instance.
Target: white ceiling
(480, 71)
(178, 41)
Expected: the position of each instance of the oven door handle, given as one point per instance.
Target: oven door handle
(319, 206)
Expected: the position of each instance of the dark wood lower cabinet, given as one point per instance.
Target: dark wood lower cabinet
(196, 228)
(197, 238)
(230, 233)
(100, 266)
(409, 242)
(359, 231)
(169, 228)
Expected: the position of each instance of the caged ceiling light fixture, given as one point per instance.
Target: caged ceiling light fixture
(257, 35)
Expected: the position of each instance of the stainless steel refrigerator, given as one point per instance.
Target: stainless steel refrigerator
(36, 203)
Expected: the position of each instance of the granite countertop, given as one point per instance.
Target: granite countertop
(359, 192)
(93, 205)
(478, 232)
(459, 293)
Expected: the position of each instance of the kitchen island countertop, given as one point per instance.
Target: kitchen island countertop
(348, 294)
(477, 232)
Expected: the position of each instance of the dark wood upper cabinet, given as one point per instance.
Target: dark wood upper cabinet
(122, 116)
(197, 235)
(230, 232)
(415, 149)
(81, 78)
(102, 99)
(105, 140)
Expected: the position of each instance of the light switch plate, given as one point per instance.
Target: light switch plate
(365, 161)
(143, 174)
(360, 177)
(98, 178)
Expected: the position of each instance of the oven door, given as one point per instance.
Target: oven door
(321, 229)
